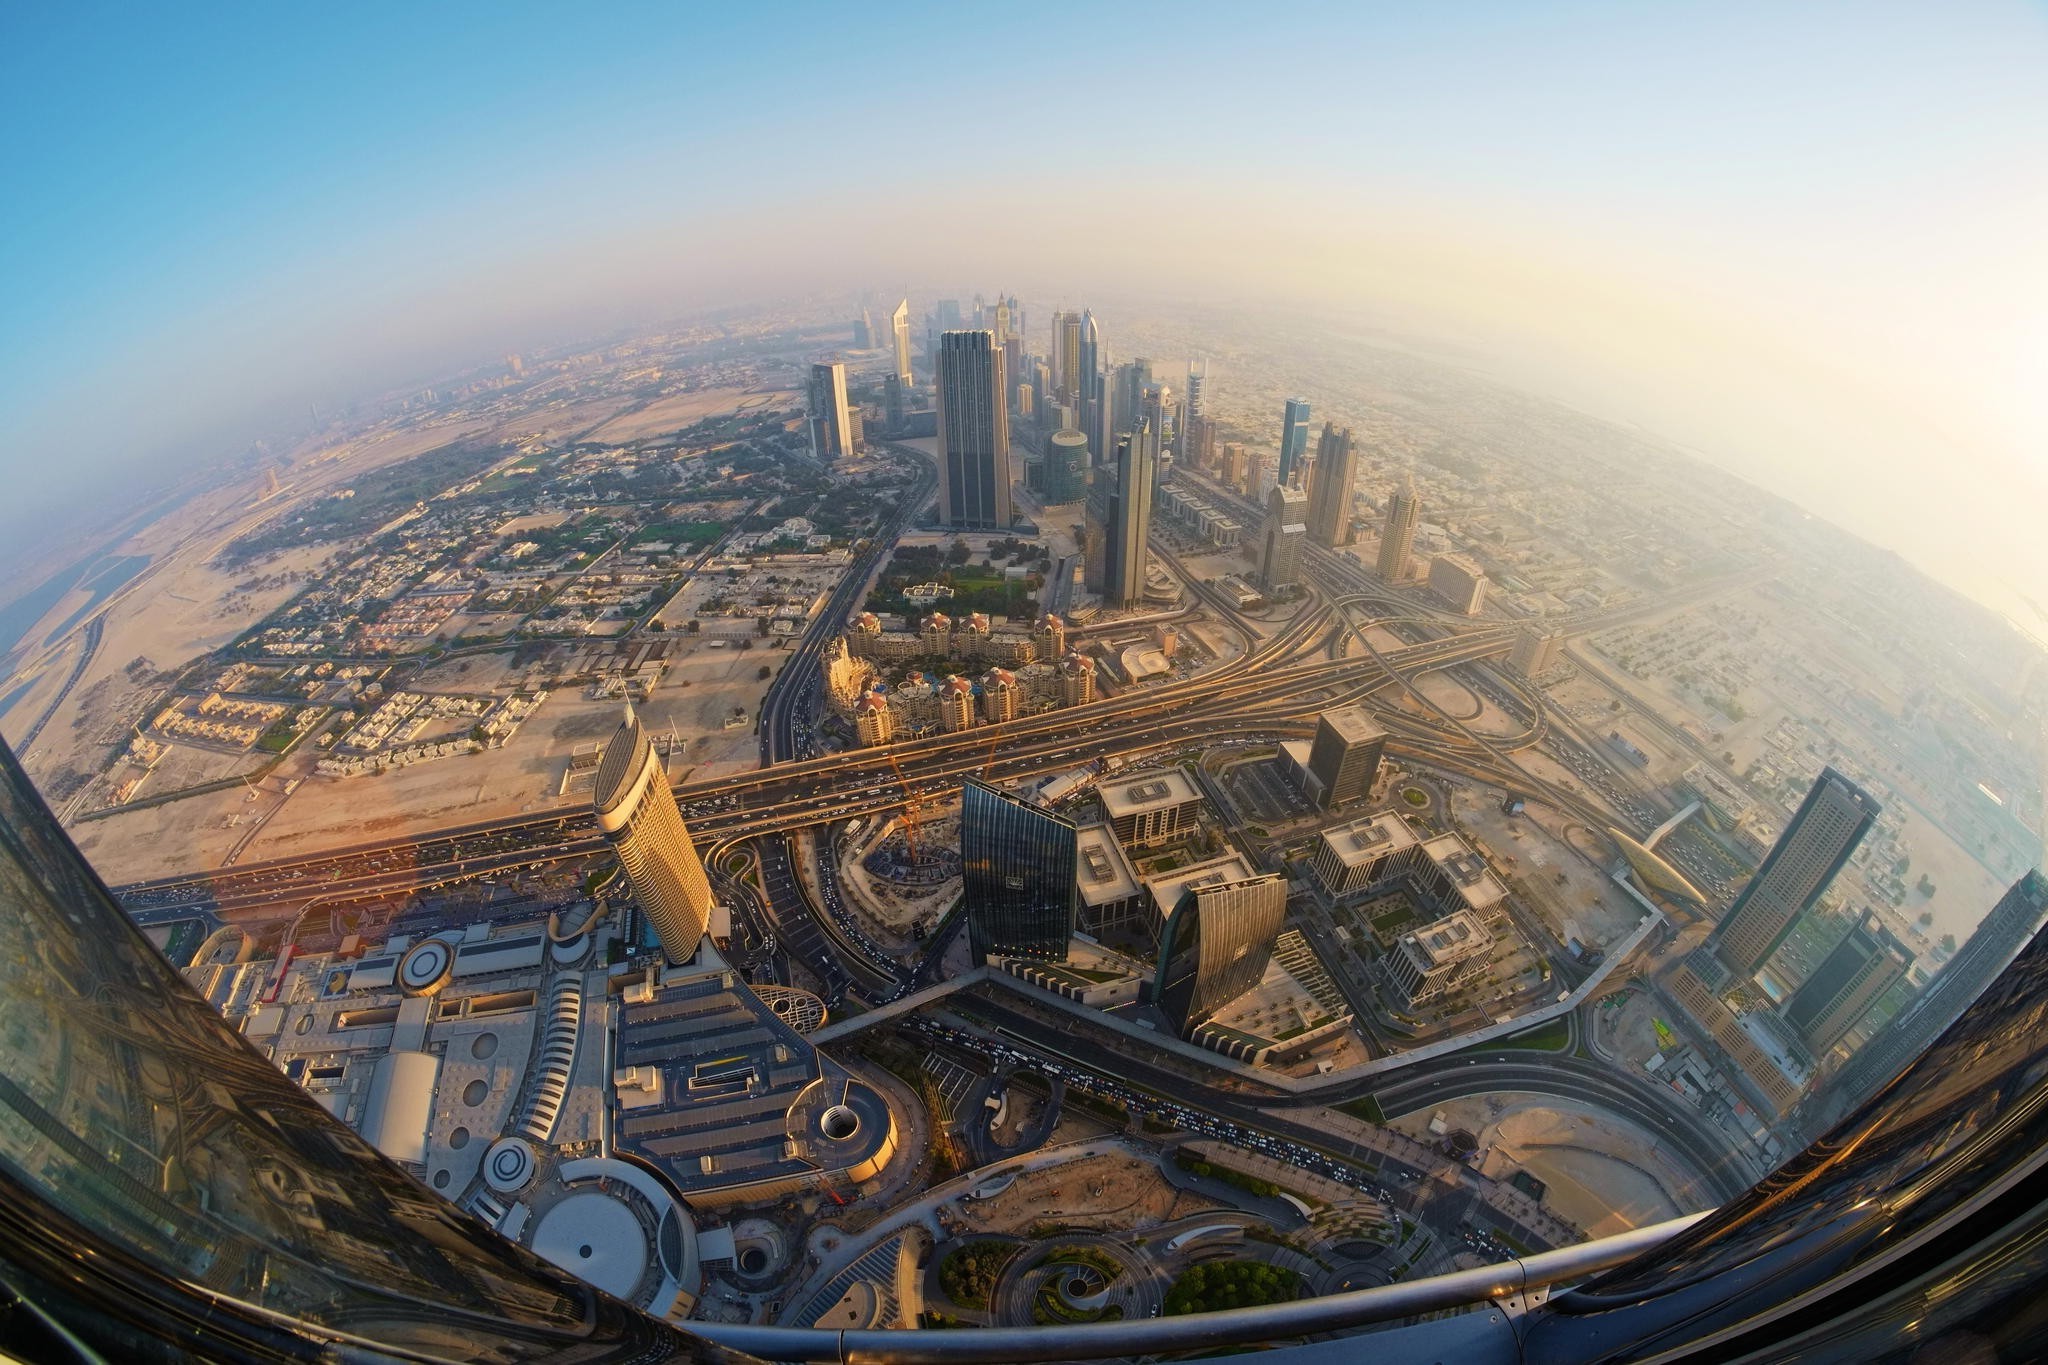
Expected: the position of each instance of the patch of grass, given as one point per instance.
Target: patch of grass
(1367, 1109)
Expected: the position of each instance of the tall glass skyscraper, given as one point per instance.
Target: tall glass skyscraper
(1216, 945)
(1017, 866)
(1831, 821)
(974, 431)
(1293, 439)
(1330, 484)
(636, 810)
(1130, 522)
(160, 1180)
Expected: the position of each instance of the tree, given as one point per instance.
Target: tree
(765, 673)
(1926, 918)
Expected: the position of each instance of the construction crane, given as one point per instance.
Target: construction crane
(912, 804)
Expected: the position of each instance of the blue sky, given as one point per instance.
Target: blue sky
(218, 211)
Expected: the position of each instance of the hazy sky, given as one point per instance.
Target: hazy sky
(1806, 240)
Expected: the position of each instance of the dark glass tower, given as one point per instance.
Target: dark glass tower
(1997, 939)
(974, 431)
(1217, 943)
(1017, 865)
(164, 1190)
(1344, 758)
(1831, 822)
(1848, 981)
(1293, 440)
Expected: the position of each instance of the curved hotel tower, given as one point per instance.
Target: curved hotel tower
(637, 813)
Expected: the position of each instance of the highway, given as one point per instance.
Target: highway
(784, 712)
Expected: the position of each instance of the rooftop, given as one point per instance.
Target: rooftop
(1101, 870)
(742, 1097)
(1452, 939)
(1354, 724)
(1361, 841)
(1229, 867)
(1467, 871)
(1143, 793)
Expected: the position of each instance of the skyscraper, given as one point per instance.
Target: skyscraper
(1848, 981)
(830, 422)
(1344, 758)
(1281, 537)
(636, 812)
(1066, 467)
(864, 330)
(1066, 357)
(974, 432)
(1216, 945)
(1831, 821)
(1130, 519)
(1098, 508)
(1154, 428)
(1017, 871)
(1330, 484)
(1293, 438)
(899, 329)
(1094, 405)
(1997, 940)
(1397, 534)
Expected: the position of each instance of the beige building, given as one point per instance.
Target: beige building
(636, 811)
(1397, 534)
(1154, 807)
(1440, 957)
(1459, 582)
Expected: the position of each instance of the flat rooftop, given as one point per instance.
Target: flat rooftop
(742, 1097)
(1467, 871)
(1361, 841)
(1101, 871)
(1452, 939)
(1143, 793)
(1229, 867)
(1354, 724)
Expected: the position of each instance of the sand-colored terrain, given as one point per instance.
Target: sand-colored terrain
(700, 692)
(665, 415)
(1603, 1173)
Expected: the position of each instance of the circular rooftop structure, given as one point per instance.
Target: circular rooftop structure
(597, 1239)
(508, 1165)
(426, 967)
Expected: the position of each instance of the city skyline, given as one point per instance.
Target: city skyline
(203, 266)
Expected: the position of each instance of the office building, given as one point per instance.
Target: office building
(1363, 854)
(1535, 651)
(864, 338)
(1096, 512)
(1830, 823)
(1112, 901)
(636, 812)
(974, 432)
(1459, 583)
(1344, 758)
(1293, 440)
(1849, 980)
(1149, 808)
(899, 333)
(1439, 957)
(1233, 469)
(1094, 405)
(830, 420)
(1331, 479)
(1066, 467)
(1066, 357)
(1397, 534)
(1018, 866)
(1215, 947)
(1129, 523)
(1995, 942)
(1281, 537)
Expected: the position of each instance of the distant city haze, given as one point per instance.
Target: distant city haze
(1801, 241)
